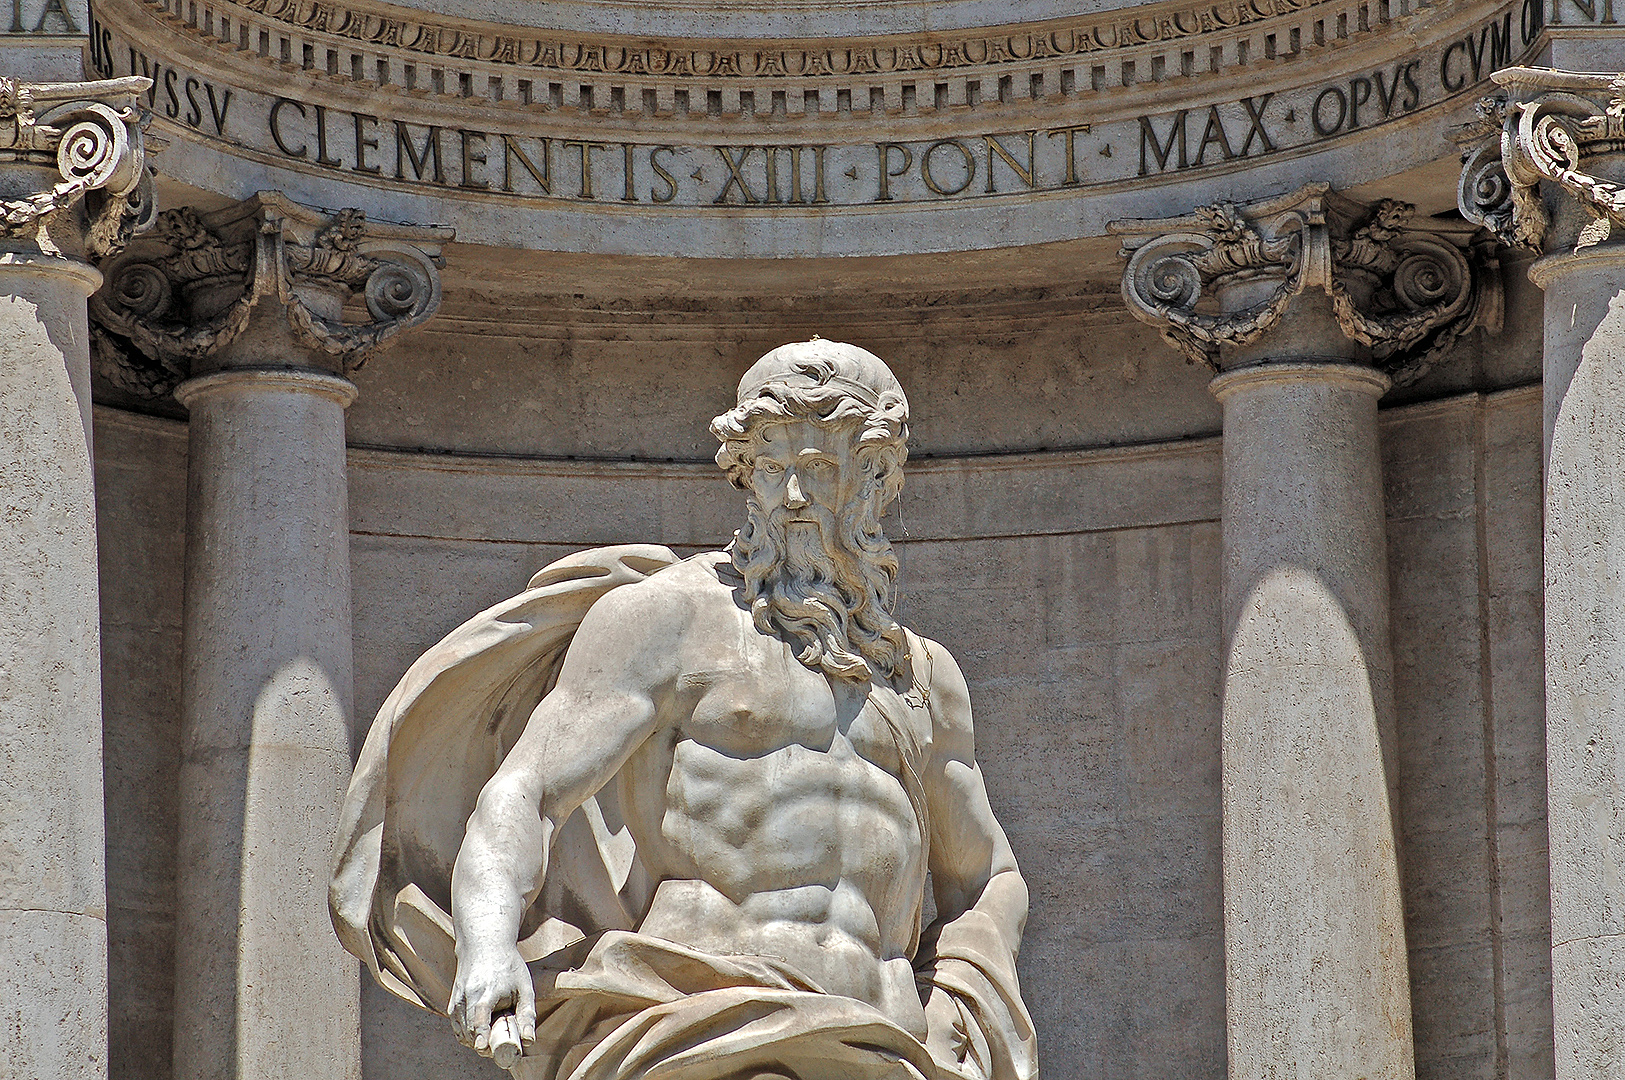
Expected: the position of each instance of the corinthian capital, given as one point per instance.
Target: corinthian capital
(75, 179)
(1221, 278)
(184, 292)
(1562, 128)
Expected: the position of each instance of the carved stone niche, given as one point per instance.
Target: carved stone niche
(1218, 280)
(1561, 127)
(184, 291)
(73, 172)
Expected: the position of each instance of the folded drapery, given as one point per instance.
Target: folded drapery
(612, 1003)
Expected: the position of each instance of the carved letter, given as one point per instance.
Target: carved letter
(56, 7)
(1321, 128)
(218, 113)
(1071, 132)
(511, 149)
(321, 139)
(1214, 134)
(1255, 116)
(818, 176)
(404, 151)
(363, 144)
(734, 175)
(194, 111)
(666, 177)
(930, 178)
(1444, 68)
(471, 159)
(586, 149)
(995, 148)
(1356, 98)
(1162, 150)
(276, 126)
(886, 173)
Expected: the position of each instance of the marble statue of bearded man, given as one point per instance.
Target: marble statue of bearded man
(719, 786)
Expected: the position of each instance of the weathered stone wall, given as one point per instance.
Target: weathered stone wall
(1463, 494)
(141, 533)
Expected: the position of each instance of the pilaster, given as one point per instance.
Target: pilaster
(71, 184)
(1309, 306)
(1545, 168)
(254, 316)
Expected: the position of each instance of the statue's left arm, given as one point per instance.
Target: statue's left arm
(967, 958)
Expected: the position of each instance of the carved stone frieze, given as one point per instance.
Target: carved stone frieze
(1225, 275)
(782, 59)
(519, 67)
(188, 288)
(73, 147)
(1553, 126)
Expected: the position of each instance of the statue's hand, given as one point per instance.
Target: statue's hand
(491, 984)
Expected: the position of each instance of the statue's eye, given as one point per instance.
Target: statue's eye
(772, 468)
(818, 465)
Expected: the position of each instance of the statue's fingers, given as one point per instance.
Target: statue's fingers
(525, 1012)
(454, 1012)
(479, 1022)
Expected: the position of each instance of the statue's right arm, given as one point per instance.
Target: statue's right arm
(604, 706)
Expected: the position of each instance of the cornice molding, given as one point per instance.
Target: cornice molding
(785, 58)
(405, 49)
(1406, 293)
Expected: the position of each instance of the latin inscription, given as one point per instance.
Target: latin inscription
(42, 17)
(984, 164)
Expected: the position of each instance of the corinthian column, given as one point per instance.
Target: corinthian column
(72, 160)
(1550, 178)
(1308, 307)
(243, 308)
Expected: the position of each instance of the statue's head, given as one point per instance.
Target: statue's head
(817, 442)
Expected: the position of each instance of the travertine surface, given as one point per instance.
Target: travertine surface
(1585, 649)
(1317, 978)
(261, 988)
(1464, 524)
(53, 899)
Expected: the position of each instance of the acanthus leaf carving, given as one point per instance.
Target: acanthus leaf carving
(92, 134)
(1405, 293)
(188, 288)
(1549, 126)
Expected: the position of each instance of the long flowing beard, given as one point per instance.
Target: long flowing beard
(824, 586)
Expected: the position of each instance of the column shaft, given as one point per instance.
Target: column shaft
(263, 989)
(1585, 654)
(53, 881)
(1316, 974)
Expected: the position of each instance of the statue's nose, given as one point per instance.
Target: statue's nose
(793, 498)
